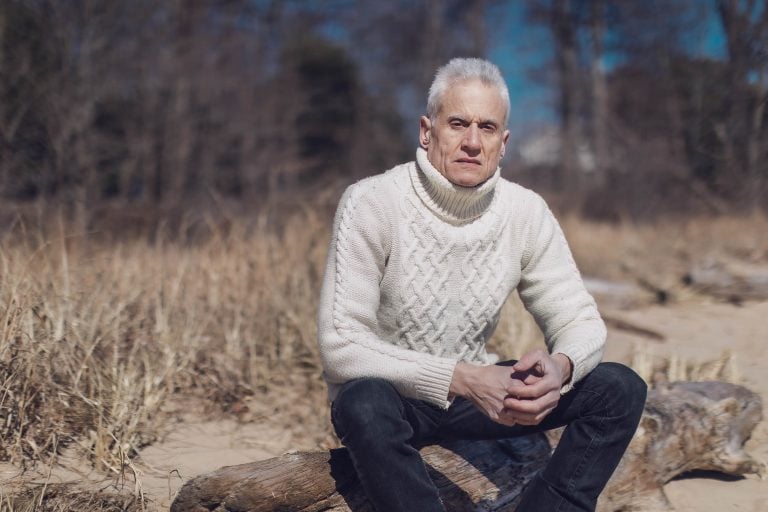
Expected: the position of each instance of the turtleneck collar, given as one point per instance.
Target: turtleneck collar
(448, 201)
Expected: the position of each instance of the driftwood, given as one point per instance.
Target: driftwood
(728, 283)
(685, 426)
(631, 327)
(618, 293)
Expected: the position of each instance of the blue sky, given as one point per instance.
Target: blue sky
(521, 48)
(523, 52)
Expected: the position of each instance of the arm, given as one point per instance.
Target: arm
(347, 320)
(552, 291)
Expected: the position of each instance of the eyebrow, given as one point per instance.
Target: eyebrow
(458, 117)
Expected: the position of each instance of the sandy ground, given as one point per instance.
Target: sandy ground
(701, 332)
(697, 330)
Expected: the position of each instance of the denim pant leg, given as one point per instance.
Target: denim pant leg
(601, 413)
(380, 430)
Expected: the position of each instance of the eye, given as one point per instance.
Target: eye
(456, 123)
(488, 127)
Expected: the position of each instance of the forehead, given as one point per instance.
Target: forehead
(473, 98)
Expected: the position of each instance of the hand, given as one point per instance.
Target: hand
(486, 387)
(542, 376)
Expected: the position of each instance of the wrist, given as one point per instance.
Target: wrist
(566, 367)
(459, 380)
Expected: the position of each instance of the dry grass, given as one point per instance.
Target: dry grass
(656, 369)
(101, 342)
(68, 498)
(95, 338)
(664, 252)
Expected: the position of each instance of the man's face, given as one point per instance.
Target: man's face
(467, 140)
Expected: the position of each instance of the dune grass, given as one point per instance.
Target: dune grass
(96, 337)
(101, 341)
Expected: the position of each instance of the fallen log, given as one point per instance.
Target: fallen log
(728, 282)
(685, 426)
(617, 293)
(631, 327)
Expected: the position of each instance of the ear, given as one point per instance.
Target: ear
(425, 129)
(504, 140)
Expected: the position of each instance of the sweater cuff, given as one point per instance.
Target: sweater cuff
(434, 381)
(583, 363)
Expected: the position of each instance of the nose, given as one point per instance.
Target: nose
(471, 142)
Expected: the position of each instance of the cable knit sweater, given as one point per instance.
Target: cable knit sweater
(419, 268)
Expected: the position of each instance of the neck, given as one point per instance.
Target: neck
(451, 202)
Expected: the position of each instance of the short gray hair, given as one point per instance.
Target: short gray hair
(459, 70)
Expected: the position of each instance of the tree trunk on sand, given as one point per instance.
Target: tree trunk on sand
(727, 282)
(685, 426)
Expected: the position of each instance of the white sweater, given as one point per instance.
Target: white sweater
(419, 268)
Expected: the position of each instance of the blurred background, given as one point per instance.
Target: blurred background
(169, 170)
(139, 110)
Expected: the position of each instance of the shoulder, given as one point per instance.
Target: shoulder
(378, 192)
(521, 200)
(369, 207)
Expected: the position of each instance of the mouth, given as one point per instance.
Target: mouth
(473, 161)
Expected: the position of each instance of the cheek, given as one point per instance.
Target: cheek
(446, 148)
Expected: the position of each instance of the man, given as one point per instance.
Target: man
(421, 261)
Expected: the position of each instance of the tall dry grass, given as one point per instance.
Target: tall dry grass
(664, 251)
(97, 338)
(103, 341)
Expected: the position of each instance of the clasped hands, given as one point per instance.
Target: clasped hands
(522, 394)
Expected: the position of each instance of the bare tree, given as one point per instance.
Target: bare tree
(745, 24)
(563, 28)
(599, 91)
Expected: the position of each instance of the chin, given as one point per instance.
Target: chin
(466, 179)
(468, 183)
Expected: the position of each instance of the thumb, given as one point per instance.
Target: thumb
(528, 361)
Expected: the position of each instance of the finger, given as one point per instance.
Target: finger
(521, 408)
(537, 389)
(531, 407)
(532, 415)
(506, 418)
(527, 377)
(514, 386)
(533, 420)
(529, 361)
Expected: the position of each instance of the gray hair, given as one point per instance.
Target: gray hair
(459, 70)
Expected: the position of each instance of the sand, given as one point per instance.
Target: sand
(703, 331)
(696, 329)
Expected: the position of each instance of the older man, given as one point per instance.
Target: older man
(422, 259)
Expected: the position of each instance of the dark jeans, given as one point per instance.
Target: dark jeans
(383, 430)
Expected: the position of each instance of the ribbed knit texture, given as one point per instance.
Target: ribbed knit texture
(452, 203)
(419, 268)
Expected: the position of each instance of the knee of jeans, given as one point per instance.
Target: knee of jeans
(625, 390)
(363, 404)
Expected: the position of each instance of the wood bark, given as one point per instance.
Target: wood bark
(745, 26)
(599, 85)
(733, 285)
(685, 426)
(562, 26)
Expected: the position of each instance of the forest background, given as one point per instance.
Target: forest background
(169, 169)
(643, 108)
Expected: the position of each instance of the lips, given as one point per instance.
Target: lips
(474, 161)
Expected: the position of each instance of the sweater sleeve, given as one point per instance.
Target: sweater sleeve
(347, 319)
(552, 290)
